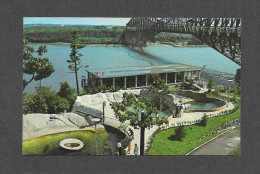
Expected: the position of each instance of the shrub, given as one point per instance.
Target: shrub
(103, 88)
(95, 90)
(112, 89)
(203, 121)
(82, 92)
(189, 85)
(57, 104)
(68, 93)
(179, 134)
(210, 84)
(89, 90)
(118, 88)
(45, 101)
(34, 104)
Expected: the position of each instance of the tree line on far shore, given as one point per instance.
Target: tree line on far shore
(96, 35)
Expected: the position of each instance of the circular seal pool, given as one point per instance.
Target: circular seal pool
(204, 106)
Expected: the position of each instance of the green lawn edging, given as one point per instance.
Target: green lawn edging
(160, 145)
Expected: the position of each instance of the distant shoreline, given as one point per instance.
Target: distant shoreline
(119, 45)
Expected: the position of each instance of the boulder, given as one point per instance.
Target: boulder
(41, 122)
(76, 119)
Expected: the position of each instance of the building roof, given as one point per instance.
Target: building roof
(141, 70)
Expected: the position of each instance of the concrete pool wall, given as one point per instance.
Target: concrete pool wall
(196, 96)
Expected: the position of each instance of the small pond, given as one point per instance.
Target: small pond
(199, 105)
(49, 144)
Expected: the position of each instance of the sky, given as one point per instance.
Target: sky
(76, 20)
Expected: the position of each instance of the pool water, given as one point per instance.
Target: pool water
(49, 144)
(196, 105)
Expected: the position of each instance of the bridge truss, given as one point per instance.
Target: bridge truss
(222, 34)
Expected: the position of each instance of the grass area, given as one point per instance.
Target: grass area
(163, 146)
(49, 144)
(174, 88)
(179, 87)
(236, 153)
(222, 96)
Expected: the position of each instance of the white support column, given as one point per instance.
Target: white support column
(175, 74)
(166, 78)
(146, 84)
(114, 81)
(183, 76)
(136, 81)
(199, 74)
(125, 81)
(101, 81)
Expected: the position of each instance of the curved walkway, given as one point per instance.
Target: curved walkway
(225, 144)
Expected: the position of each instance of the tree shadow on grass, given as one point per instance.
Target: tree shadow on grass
(173, 138)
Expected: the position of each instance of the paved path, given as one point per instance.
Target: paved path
(226, 95)
(223, 145)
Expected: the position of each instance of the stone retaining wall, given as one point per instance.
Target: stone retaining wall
(95, 101)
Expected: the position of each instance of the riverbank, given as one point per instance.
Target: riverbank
(120, 45)
(86, 45)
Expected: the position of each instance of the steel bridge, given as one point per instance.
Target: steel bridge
(222, 34)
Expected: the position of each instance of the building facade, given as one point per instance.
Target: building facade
(135, 77)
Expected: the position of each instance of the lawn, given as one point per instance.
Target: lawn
(49, 144)
(174, 88)
(163, 146)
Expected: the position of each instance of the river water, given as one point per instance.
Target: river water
(109, 57)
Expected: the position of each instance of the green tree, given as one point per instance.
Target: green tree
(216, 91)
(203, 121)
(75, 62)
(67, 92)
(34, 104)
(44, 101)
(210, 84)
(157, 86)
(180, 133)
(189, 84)
(38, 67)
(140, 110)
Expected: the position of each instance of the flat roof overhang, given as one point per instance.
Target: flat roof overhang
(141, 70)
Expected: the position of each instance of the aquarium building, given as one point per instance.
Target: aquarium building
(134, 77)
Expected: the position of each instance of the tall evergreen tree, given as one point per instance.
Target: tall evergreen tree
(75, 62)
(210, 84)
